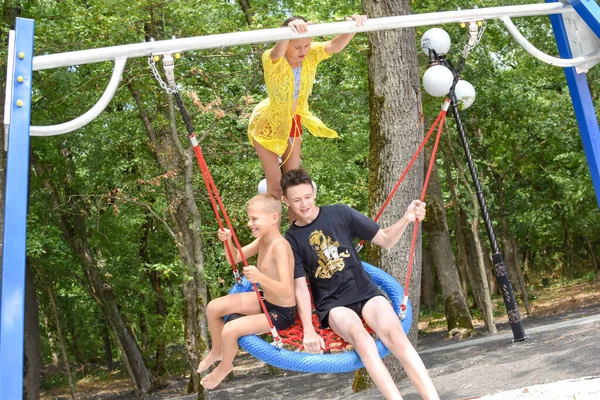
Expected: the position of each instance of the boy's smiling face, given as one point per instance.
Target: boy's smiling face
(261, 221)
(301, 200)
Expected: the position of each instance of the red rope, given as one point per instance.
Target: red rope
(423, 191)
(405, 172)
(214, 195)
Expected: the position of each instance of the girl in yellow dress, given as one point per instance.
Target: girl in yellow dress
(275, 127)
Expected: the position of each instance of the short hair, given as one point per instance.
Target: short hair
(266, 202)
(293, 18)
(294, 177)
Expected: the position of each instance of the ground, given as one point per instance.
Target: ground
(562, 346)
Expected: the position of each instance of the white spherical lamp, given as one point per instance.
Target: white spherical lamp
(435, 39)
(465, 94)
(437, 80)
(262, 186)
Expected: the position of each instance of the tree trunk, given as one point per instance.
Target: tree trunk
(435, 225)
(144, 332)
(489, 271)
(247, 9)
(107, 348)
(59, 334)
(567, 270)
(32, 362)
(51, 339)
(161, 309)
(511, 249)
(476, 266)
(396, 129)
(513, 265)
(172, 156)
(461, 247)
(476, 270)
(72, 224)
(593, 259)
(428, 279)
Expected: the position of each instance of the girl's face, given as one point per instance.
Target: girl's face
(297, 49)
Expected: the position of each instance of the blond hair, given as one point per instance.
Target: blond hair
(266, 202)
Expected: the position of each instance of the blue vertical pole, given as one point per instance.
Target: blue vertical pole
(580, 93)
(12, 317)
(589, 11)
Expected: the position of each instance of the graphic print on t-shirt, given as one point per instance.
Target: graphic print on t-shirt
(330, 254)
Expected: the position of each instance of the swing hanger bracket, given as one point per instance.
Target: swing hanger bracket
(168, 58)
(473, 31)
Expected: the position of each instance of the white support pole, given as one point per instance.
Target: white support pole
(92, 113)
(273, 35)
(593, 56)
(10, 75)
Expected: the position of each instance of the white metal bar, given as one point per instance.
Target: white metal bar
(10, 74)
(540, 55)
(273, 35)
(93, 112)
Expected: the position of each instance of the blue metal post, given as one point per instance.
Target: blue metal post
(589, 11)
(12, 317)
(580, 93)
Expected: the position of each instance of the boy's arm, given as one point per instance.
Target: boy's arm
(339, 42)
(312, 342)
(282, 254)
(248, 250)
(389, 236)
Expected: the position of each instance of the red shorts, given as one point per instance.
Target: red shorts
(296, 130)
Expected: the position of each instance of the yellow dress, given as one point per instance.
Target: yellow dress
(271, 120)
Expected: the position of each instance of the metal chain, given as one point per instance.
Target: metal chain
(473, 40)
(163, 84)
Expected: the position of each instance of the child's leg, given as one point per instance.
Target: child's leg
(348, 326)
(270, 164)
(248, 325)
(292, 157)
(241, 303)
(380, 316)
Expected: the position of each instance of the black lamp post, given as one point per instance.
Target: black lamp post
(514, 317)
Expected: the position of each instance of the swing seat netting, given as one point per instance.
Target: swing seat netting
(343, 361)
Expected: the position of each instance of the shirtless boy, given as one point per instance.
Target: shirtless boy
(275, 275)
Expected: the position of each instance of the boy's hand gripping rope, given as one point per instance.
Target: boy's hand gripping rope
(211, 188)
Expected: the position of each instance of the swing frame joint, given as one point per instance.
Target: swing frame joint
(238, 278)
(276, 339)
(402, 313)
(359, 247)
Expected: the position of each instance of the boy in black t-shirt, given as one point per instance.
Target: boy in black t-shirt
(322, 242)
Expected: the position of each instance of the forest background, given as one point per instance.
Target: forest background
(122, 253)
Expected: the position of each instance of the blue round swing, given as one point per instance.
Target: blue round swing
(324, 363)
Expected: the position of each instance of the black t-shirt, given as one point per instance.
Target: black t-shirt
(324, 251)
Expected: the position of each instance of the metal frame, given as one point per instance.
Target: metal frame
(579, 89)
(17, 118)
(12, 317)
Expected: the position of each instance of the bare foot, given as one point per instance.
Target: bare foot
(213, 379)
(209, 360)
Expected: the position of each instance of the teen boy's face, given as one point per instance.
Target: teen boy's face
(260, 221)
(301, 200)
(297, 50)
